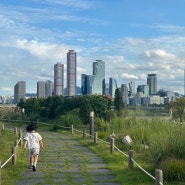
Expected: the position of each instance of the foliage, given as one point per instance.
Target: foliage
(173, 169)
(100, 104)
(69, 119)
(54, 107)
(177, 108)
(10, 173)
(118, 102)
(85, 109)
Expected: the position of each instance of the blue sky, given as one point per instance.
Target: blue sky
(134, 38)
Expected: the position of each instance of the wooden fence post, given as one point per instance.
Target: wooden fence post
(112, 145)
(84, 133)
(95, 137)
(15, 130)
(130, 162)
(16, 146)
(158, 176)
(91, 123)
(14, 156)
(72, 129)
(20, 137)
(2, 126)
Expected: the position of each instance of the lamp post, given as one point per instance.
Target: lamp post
(23, 114)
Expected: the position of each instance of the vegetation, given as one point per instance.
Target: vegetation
(177, 109)
(10, 173)
(157, 142)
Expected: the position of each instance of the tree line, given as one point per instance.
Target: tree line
(54, 107)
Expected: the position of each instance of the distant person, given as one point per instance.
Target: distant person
(33, 142)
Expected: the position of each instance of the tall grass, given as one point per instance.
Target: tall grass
(165, 141)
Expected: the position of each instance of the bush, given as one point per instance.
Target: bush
(173, 169)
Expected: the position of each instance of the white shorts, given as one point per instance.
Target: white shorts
(33, 152)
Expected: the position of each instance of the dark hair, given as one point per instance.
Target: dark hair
(31, 126)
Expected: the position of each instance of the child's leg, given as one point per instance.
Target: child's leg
(35, 159)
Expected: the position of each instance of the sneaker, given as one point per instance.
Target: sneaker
(30, 167)
(34, 168)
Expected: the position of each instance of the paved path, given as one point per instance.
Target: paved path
(66, 162)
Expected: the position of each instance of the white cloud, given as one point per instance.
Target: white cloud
(129, 76)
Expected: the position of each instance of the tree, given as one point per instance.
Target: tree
(118, 102)
(85, 109)
(177, 108)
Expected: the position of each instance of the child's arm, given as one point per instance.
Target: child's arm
(41, 144)
(25, 144)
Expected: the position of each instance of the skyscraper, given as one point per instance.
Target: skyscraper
(58, 79)
(84, 84)
(98, 85)
(124, 91)
(19, 91)
(152, 83)
(112, 87)
(49, 88)
(71, 73)
(132, 88)
(40, 89)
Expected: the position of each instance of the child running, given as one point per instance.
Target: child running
(33, 142)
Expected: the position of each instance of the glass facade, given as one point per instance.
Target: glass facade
(71, 73)
(58, 79)
(152, 83)
(98, 85)
(112, 87)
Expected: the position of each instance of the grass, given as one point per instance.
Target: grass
(10, 173)
(118, 164)
(164, 144)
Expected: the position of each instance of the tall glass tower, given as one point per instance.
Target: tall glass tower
(112, 86)
(49, 88)
(71, 73)
(98, 85)
(152, 83)
(58, 79)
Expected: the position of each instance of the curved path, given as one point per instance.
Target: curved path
(65, 161)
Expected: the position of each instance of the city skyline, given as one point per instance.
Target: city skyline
(133, 38)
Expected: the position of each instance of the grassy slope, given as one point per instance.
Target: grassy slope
(117, 162)
(10, 173)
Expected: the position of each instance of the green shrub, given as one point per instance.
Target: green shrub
(173, 169)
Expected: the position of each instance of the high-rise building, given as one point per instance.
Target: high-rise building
(107, 89)
(124, 91)
(98, 86)
(112, 87)
(132, 90)
(58, 79)
(95, 83)
(84, 84)
(40, 89)
(143, 89)
(71, 73)
(152, 83)
(90, 80)
(49, 88)
(19, 91)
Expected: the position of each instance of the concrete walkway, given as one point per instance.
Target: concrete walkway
(66, 162)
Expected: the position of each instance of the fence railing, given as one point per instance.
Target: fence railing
(158, 173)
(13, 156)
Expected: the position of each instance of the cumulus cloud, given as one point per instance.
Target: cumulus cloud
(157, 54)
(129, 76)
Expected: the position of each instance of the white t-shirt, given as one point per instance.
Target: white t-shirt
(33, 139)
